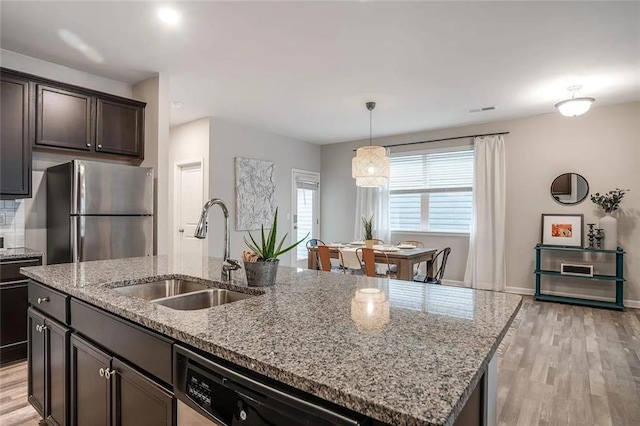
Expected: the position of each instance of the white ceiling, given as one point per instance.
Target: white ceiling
(306, 69)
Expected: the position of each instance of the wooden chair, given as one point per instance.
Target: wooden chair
(437, 277)
(377, 241)
(411, 242)
(314, 242)
(367, 259)
(324, 254)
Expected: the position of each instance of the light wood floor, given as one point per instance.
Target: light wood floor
(559, 365)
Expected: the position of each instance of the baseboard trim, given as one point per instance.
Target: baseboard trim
(529, 292)
(455, 283)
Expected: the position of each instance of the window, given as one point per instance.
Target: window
(431, 191)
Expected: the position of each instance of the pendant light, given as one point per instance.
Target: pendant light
(370, 166)
(575, 106)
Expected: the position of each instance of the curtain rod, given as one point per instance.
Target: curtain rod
(444, 139)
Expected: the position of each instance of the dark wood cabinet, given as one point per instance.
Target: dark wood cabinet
(118, 128)
(57, 117)
(15, 146)
(107, 391)
(64, 118)
(90, 389)
(13, 309)
(48, 367)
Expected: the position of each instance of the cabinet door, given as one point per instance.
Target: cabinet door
(63, 118)
(36, 365)
(13, 321)
(119, 128)
(138, 401)
(90, 390)
(57, 372)
(15, 148)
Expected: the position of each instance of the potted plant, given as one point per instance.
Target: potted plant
(609, 202)
(261, 263)
(367, 224)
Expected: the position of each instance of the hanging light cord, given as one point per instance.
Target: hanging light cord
(370, 125)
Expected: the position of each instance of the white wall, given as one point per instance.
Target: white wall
(27, 64)
(189, 141)
(602, 145)
(230, 140)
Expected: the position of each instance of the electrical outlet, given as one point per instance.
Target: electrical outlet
(3, 219)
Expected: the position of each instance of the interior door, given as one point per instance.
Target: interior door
(189, 200)
(306, 217)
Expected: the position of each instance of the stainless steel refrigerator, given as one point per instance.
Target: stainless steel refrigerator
(98, 211)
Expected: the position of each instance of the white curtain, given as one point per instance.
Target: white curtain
(373, 201)
(486, 268)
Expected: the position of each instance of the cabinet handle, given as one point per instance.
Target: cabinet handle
(41, 328)
(89, 145)
(108, 374)
(101, 372)
(42, 300)
(99, 146)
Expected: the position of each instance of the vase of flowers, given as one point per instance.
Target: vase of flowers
(261, 263)
(609, 202)
(367, 224)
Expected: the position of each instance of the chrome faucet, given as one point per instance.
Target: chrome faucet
(228, 264)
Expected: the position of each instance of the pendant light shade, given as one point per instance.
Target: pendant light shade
(575, 106)
(370, 167)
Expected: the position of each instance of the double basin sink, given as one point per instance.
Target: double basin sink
(182, 295)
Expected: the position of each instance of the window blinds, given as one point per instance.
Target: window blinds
(452, 170)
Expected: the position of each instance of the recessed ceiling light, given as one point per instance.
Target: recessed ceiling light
(169, 15)
(176, 104)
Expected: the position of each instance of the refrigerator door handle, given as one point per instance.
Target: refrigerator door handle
(78, 188)
(77, 237)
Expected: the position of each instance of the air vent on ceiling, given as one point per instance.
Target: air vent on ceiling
(491, 108)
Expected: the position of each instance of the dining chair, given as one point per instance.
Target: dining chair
(324, 253)
(367, 259)
(412, 243)
(314, 242)
(377, 241)
(441, 258)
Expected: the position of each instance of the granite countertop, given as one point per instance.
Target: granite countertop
(417, 369)
(19, 253)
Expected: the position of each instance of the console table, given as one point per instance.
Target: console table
(618, 278)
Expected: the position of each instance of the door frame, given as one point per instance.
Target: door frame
(294, 198)
(177, 168)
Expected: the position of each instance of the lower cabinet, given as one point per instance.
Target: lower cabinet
(47, 368)
(107, 391)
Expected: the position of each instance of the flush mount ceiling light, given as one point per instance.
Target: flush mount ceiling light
(574, 106)
(168, 15)
(370, 166)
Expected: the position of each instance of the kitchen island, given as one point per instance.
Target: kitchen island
(420, 364)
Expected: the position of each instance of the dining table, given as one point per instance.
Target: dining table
(404, 258)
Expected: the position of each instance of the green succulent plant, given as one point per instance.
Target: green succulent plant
(267, 248)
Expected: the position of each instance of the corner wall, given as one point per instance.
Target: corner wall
(227, 141)
(602, 145)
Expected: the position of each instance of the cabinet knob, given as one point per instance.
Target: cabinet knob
(42, 300)
(108, 374)
(99, 146)
(41, 328)
(89, 145)
(101, 372)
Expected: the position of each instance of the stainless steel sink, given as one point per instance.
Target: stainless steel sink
(202, 299)
(160, 289)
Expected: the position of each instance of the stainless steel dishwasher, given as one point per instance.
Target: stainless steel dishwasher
(210, 393)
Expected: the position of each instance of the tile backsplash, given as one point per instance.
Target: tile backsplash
(14, 223)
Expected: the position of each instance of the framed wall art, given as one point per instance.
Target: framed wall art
(564, 230)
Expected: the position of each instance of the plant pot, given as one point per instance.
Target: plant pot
(261, 273)
(369, 243)
(609, 225)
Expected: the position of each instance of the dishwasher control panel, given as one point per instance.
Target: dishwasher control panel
(198, 389)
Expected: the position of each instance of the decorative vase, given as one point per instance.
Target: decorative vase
(368, 243)
(609, 226)
(261, 273)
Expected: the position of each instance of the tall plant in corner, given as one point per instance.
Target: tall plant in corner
(609, 202)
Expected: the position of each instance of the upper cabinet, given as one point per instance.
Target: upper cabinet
(15, 146)
(59, 117)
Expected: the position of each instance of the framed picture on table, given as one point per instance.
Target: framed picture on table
(563, 230)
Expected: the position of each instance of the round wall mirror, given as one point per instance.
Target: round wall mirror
(569, 188)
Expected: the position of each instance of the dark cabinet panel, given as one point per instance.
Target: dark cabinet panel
(13, 321)
(139, 401)
(90, 390)
(15, 147)
(57, 372)
(37, 363)
(63, 118)
(119, 128)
